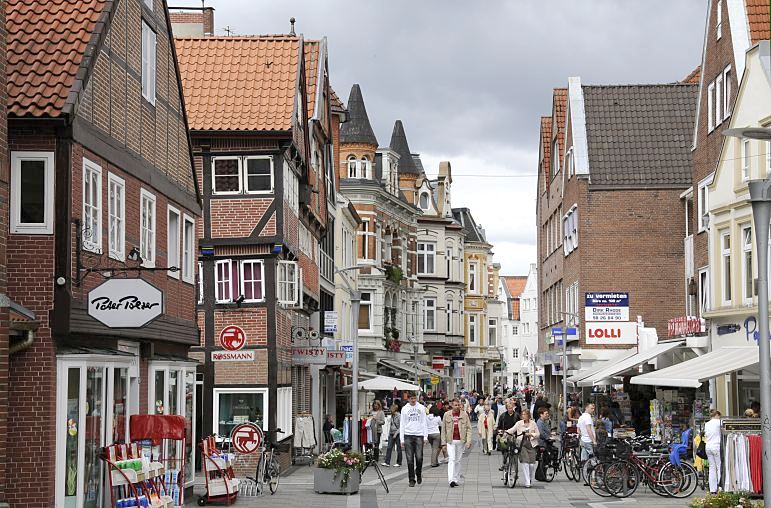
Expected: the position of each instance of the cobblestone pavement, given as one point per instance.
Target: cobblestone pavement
(481, 486)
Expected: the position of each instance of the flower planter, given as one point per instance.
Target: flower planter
(329, 481)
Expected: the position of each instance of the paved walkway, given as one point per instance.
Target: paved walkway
(482, 486)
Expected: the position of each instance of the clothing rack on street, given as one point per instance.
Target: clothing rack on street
(741, 452)
(304, 437)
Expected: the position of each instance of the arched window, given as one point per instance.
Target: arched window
(351, 166)
(424, 200)
(364, 168)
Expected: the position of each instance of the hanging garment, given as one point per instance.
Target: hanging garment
(756, 462)
(743, 465)
(364, 432)
(347, 430)
(304, 432)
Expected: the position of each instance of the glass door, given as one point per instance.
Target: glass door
(94, 439)
(69, 422)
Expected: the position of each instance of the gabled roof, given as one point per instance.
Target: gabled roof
(545, 148)
(471, 231)
(47, 41)
(560, 110)
(242, 83)
(311, 49)
(399, 145)
(694, 77)
(357, 128)
(759, 20)
(515, 284)
(640, 134)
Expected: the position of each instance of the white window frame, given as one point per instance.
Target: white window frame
(188, 254)
(173, 241)
(364, 233)
(704, 299)
(245, 176)
(711, 107)
(426, 252)
(726, 92)
(492, 326)
(291, 188)
(726, 279)
(515, 353)
(47, 226)
(473, 269)
(116, 246)
(719, 99)
(747, 282)
(214, 190)
(149, 4)
(428, 200)
(218, 296)
(92, 236)
(448, 313)
(703, 205)
(353, 166)
(225, 391)
(719, 21)
(241, 280)
(746, 159)
(368, 304)
(429, 309)
(148, 261)
(514, 330)
(473, 329)
(200, 282)
(287, 289)
(149, 65)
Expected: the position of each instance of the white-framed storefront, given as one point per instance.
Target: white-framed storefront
(233, 406)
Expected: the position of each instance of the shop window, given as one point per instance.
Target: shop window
(365, 312)
(116, 209)
(148, 62)
(188, 249)
(92, 206)
(32, 193)
(147, 227)
(426, 258)
(288, 282)
(235, 406)
(172, 236)
(429, 314)
(252, 275)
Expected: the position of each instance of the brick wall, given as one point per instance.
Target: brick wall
(4, 200)
(243, 373)
(234, 218)
(253, 320)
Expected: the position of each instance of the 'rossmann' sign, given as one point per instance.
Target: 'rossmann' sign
(624, 332)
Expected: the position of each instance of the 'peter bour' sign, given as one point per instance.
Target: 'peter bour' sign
(125, 303)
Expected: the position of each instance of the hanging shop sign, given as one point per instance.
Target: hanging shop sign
(232, 338)
(440, 362)
(335, 358)
(125, 303)
(606, 306)
(246, 438)
(330, 322)
(611, 333)
(434, 380)
(684, 326)
(246, 355)
(309, 356)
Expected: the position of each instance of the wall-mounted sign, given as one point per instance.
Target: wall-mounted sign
(685, 325)
(622, 332)
(606, 306)
(125, 303)
(348, 348)
(309, 356)
(440, 362)
(330, 322)
(232, 338)
(246, 355)
(246, 438)
(335, 357)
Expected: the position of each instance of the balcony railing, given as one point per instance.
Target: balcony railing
(688, 253)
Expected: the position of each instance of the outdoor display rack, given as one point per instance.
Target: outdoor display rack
(221, 482)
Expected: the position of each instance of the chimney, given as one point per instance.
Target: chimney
(208, 21)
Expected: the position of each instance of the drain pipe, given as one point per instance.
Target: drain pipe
(24, 344)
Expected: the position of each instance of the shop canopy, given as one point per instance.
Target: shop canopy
(693, 373)
(626, 353)
(619, 367)
(409, 369)
(385, 383)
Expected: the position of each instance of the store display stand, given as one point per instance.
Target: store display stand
(135, 481)
(221, 482)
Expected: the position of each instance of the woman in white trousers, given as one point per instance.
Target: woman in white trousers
(712, 437)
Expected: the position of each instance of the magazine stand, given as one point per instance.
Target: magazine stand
(134, 480)
(221, 482)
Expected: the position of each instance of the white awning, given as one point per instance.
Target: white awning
(385, 383)
(693, 373)
(602, 365)
(629, 363)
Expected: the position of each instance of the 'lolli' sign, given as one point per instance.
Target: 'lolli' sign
(125, 303)
(623, 332)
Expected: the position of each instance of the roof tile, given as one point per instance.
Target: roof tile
(759, 20)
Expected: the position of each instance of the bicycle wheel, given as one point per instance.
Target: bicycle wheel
(549, 471)
(621, 478)
(596, 477)
(567, 461)
(513, 469)
(381, 477)
(678, 481)
(576, 464)
(272, 475)
(505, 470)
(586, 467)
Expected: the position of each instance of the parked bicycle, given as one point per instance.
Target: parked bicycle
(268, 470)
(570, 456)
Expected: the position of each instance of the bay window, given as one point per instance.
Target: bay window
(725, 255)
(473, 328)
(492, 332)
(473, 277)
(365, 312)
(747, 278)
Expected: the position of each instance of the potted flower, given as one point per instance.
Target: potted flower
(338, 472)
(726, 500)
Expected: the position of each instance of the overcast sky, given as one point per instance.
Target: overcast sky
(470, 79)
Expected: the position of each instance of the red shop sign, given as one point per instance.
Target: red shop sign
(232, 338)
(246, 438)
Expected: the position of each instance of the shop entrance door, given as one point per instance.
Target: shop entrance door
(92, 406)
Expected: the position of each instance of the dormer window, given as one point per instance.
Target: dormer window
(423, 200)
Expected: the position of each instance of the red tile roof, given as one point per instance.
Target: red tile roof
(515, 284)
(311, 73)
(515, 315)
(759, 20)
(560, 108)
(545, 146)
(46, 43)
(693, 77)
(254, 89)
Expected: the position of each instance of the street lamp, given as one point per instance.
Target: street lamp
(572, 318)
(760, 197)
(355, 304)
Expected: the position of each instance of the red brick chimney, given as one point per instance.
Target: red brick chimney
(208, 21)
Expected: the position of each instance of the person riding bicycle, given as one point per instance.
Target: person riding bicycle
(506, 421)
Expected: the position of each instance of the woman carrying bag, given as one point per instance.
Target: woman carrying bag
(393, 437)
(528, 443)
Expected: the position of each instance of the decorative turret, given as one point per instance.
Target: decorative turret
(357, 141)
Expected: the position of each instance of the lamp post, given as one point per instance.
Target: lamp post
(572, 318)
(355, 304)
(760, 197)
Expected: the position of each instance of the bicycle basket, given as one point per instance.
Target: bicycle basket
(503, 443)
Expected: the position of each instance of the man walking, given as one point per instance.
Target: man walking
(586, 429)
(486, 428)
(506, 421)
(456, 435)
(413, 432)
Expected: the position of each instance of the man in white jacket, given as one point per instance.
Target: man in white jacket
(413, 432)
